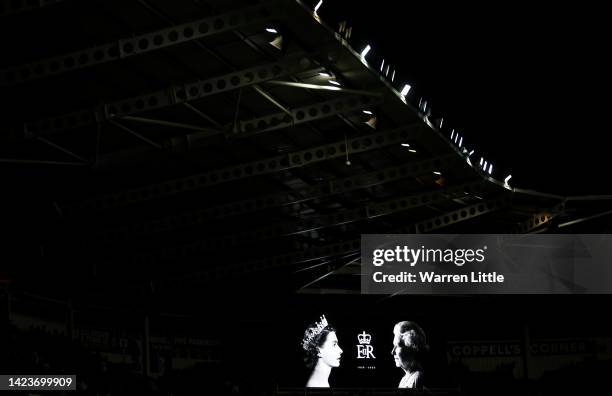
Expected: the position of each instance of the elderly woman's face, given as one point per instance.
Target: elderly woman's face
(400, 352)
(330, 351)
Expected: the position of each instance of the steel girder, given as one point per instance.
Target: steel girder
(172, 95)
(263, 264)
(339, 186)
(324, 221)
(316, 253)
(254, 168)
(17, 7)
(466, 213)
(305, 114)
(539, 219)
(140, 44)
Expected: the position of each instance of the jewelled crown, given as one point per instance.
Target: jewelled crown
(364, 338)
(314, 331)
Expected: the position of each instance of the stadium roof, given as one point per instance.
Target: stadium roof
(198, 144)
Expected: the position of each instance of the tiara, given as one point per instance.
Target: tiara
(314, 331)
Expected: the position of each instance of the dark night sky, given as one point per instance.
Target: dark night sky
(528, 86)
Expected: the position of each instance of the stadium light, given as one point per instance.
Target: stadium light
(372, 122)
(277, 43)
(319, 4)
(365, 51)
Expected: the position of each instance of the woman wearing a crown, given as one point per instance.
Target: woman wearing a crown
(322, 352)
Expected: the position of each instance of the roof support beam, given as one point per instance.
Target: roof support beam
(583, 219)
(171, 124)
(136, 134)
(339, 186)
(313, 254)
(539, 219)
(17, 7)
(335, 268)
(348, 216)
(305, 114)
(40, 162)
(170, 96)
(64, 150)
(140, 44)
(263, 264)
(463, 214)
(255, 168)
(331, 88)
(272, 100)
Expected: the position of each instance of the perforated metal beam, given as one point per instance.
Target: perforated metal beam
(173, 94)
(342, 217)
(316, 253)
(263, 264)
(39, 162)
(305, 114)
(463, 214)
(8, 7)
(255, 168)
(140, 44)
(339, 186)
(539, 219)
